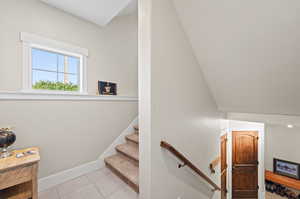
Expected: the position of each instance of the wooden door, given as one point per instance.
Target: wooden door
(224, 167)
(244, 164)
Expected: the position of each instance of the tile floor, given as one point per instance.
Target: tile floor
(101, 184)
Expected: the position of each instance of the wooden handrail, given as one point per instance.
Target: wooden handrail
(188, 163)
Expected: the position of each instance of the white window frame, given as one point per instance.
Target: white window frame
(31, 41)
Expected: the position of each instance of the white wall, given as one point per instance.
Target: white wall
(68, 133)
(112, 49)
(281, 143)
(182, 110)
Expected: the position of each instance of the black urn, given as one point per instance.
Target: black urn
(7, 138)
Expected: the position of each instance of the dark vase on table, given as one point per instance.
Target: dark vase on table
(7, 138)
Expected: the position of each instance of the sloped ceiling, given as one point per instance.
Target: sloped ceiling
(130, 9)
(100, 12)
(249, 52)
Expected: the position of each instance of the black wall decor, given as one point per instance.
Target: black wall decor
(107, 88)
(286, 168)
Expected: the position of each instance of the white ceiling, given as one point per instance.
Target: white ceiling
(130, 9)
(279, 120)
(100, 12)
(249, 52)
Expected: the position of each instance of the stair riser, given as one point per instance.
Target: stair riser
(132, 142)
(136, 163)
(122, 177)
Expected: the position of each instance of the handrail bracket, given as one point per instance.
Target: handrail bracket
(181, 165)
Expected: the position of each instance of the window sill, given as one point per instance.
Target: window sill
(59, 96)
(51, 92)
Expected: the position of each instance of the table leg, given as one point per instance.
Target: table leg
(34, 188)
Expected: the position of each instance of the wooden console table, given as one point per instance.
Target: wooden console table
(18, 176)
(279, 179)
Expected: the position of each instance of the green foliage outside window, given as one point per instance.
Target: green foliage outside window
(48, 85)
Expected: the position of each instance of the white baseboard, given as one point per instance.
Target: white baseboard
(66, 175)
(69, 174)
(120, 140)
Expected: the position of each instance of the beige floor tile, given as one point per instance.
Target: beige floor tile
(97, 176)
(87, 192)
(124, 193)
(100, 184)
(131, 192)
(72, 185)
(109, 184)
(49, 194)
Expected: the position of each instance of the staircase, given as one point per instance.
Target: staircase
(125, 163)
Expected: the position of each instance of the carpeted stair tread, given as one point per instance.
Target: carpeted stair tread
(133, 138)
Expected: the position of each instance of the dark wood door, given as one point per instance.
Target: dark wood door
(224, 167)
(244, 164)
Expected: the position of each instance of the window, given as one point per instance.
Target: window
(54, 71)
(53, 67)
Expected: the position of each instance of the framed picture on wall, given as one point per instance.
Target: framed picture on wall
(286, 168)
(107, 88)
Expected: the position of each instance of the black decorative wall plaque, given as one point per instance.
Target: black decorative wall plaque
(107, 88)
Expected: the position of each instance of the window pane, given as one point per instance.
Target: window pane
(61, 63)
(61, 77)
(44, 60)
(73, 79)
(43, 76)
(68, 64)
(70, 81)
(44, 80)
(74, 63)
(67, 78)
